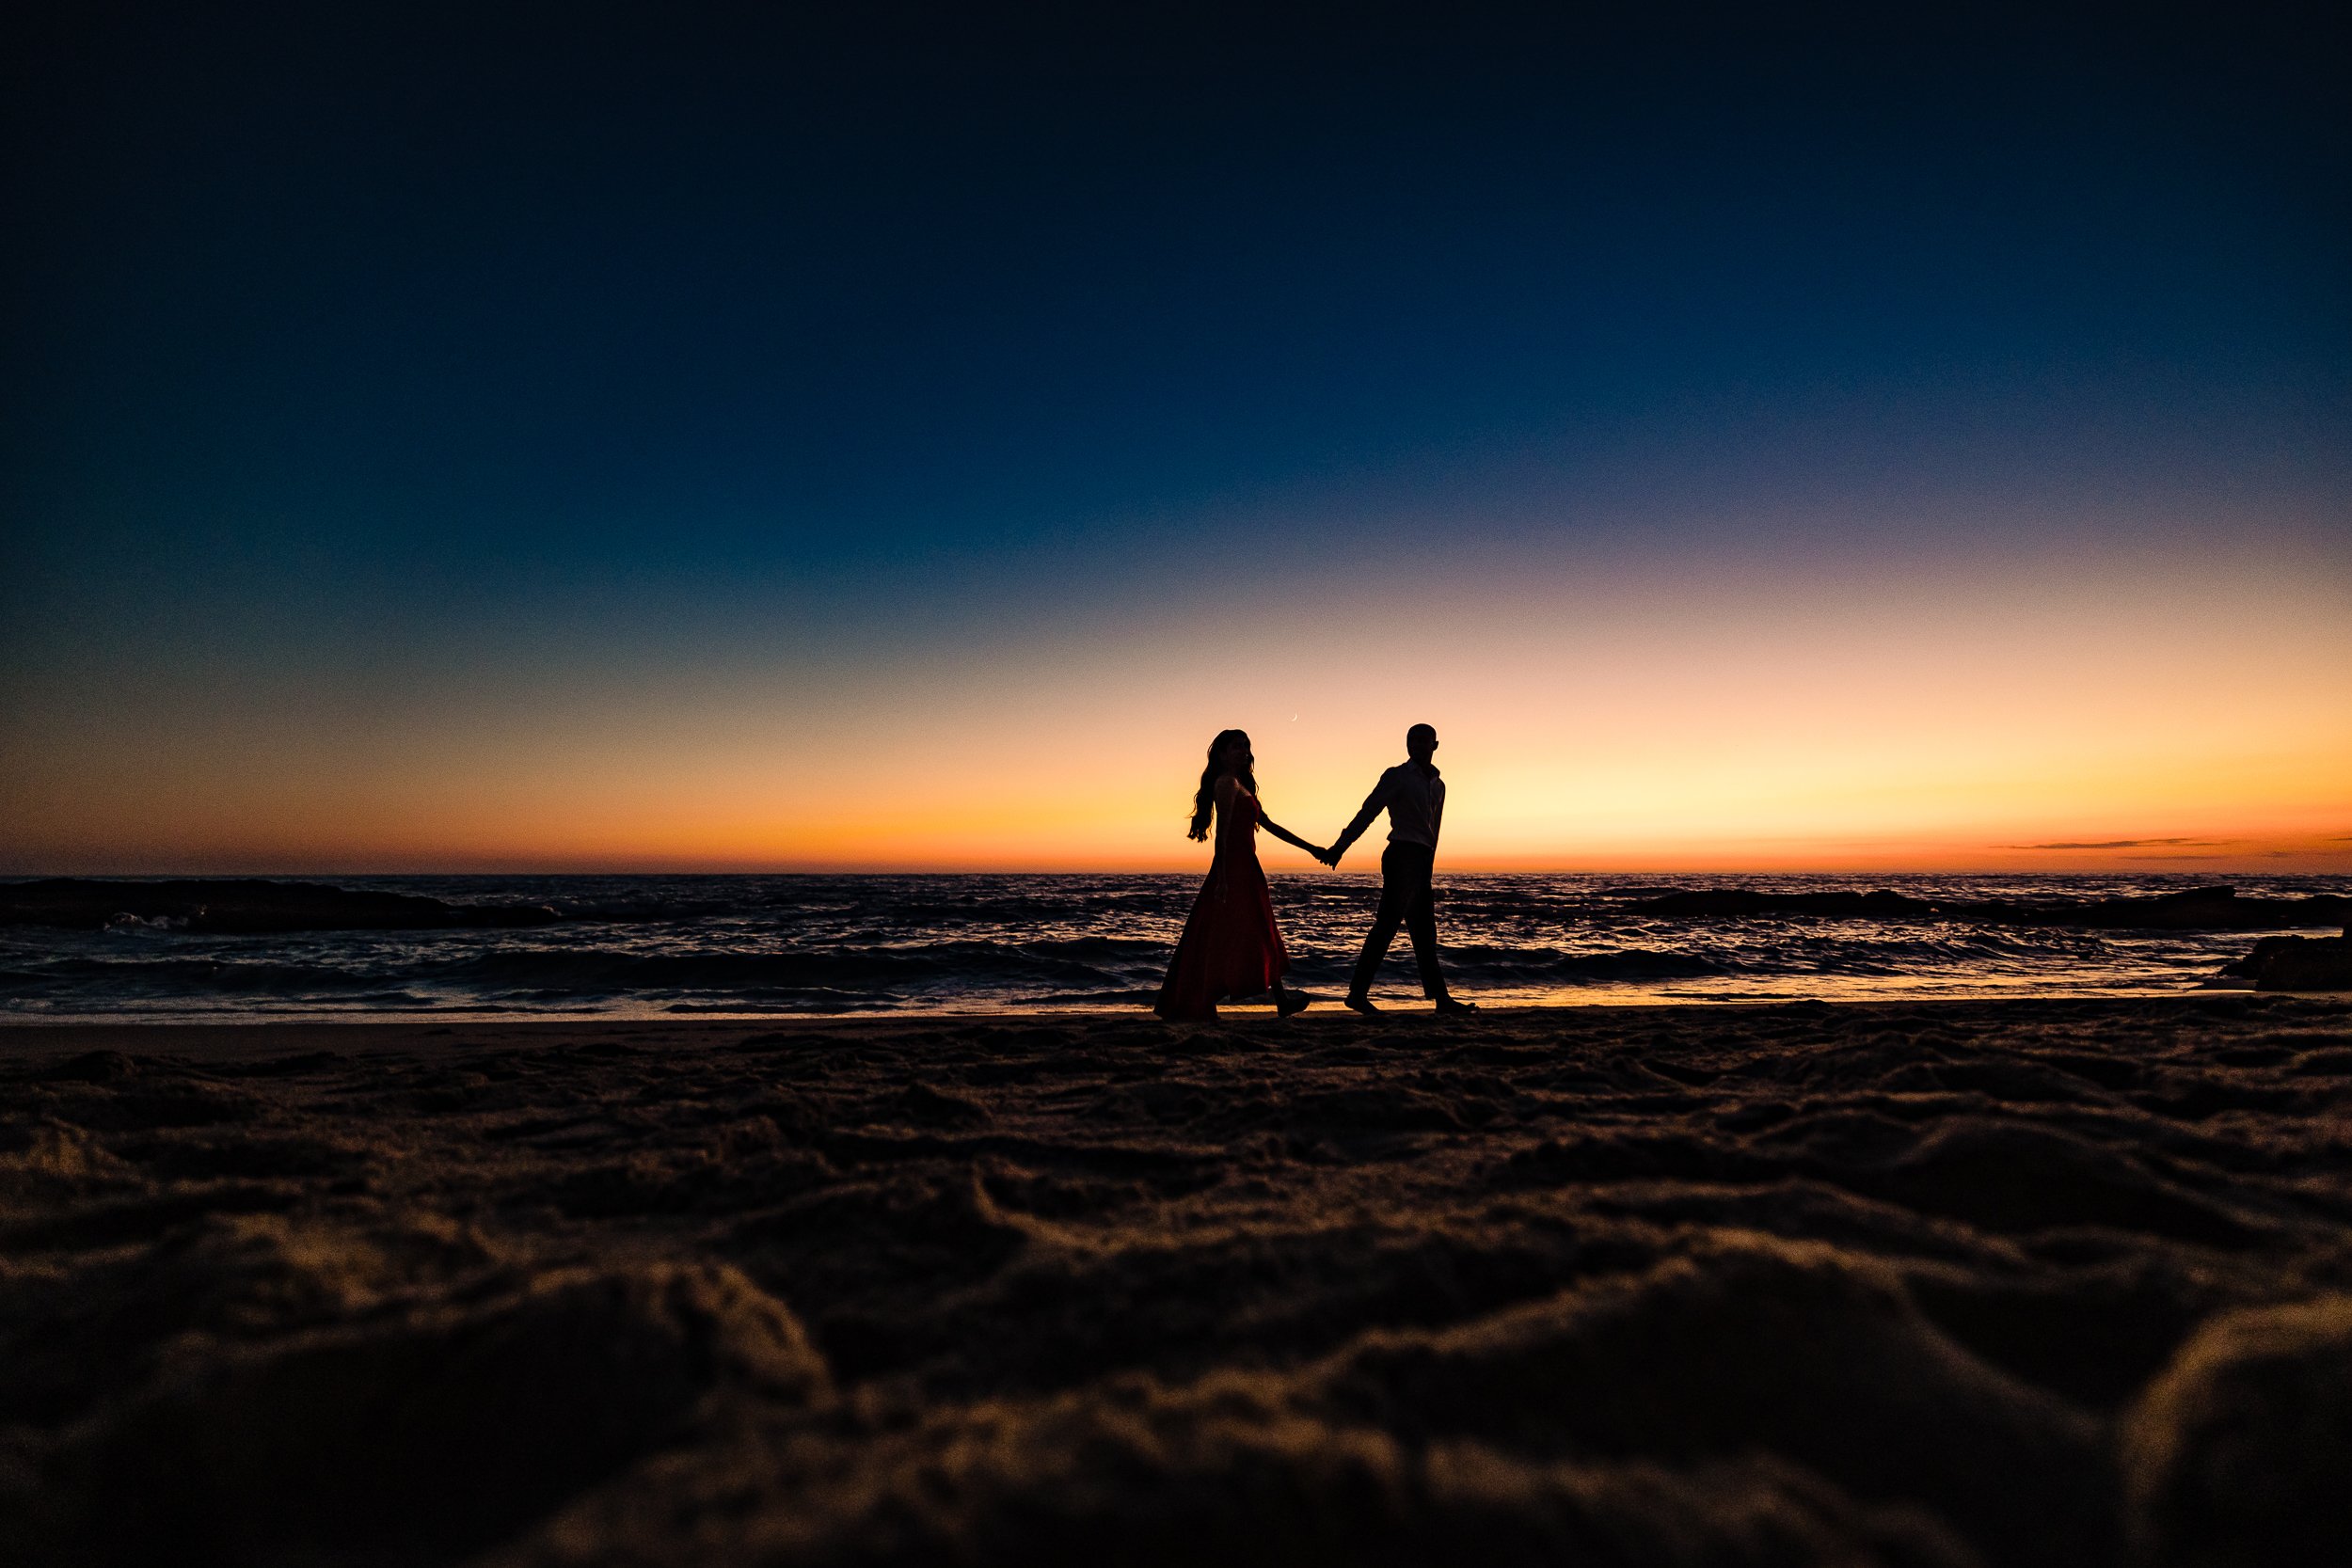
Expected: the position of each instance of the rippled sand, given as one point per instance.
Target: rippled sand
(2003, 1282)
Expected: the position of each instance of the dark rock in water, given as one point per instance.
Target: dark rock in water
(2204, 908)
(2238, 1453)
(2296, 963)
(246, 905)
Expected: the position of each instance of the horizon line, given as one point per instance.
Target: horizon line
(1371, 869)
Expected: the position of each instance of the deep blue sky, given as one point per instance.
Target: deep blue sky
(546, 291)
(340, 333)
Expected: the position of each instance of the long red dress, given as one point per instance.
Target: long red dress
(1230, 947)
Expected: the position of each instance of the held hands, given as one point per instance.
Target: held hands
(1328, 856)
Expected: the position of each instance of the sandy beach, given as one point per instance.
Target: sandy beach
(1997, 1283)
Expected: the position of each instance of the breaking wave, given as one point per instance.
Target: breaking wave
(626, 944)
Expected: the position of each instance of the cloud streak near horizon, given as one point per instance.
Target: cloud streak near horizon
(2118, 844)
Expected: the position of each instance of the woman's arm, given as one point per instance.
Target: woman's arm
(1288, 837)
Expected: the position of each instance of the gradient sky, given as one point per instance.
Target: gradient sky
(515, 436)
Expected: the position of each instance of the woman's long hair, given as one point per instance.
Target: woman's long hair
(1205, 800)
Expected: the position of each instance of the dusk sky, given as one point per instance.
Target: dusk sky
(444, 443)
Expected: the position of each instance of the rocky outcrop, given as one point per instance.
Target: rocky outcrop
(248, 905)
(2296, 963)
(2204, 908)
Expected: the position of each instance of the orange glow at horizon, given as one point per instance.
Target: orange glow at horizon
(2158, 715)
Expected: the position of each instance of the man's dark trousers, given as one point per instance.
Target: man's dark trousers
(1405, 896)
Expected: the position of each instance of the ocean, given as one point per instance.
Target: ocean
(666, 945)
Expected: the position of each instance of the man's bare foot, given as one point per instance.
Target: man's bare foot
(1288, 1002)
(1361, 1005)
(1455, 1005)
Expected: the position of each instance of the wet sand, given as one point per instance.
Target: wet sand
(2000, 1283)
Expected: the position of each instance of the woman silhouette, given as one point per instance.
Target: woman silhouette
(1230, 947)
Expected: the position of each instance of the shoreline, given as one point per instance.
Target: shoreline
(229, 1038)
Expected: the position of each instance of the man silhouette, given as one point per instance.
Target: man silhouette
(1413, 795)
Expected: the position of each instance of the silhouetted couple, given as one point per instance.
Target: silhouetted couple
(1230, 948)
